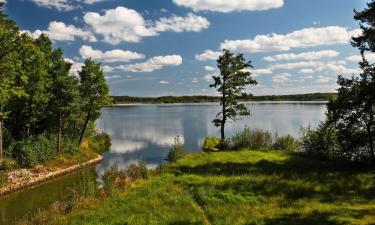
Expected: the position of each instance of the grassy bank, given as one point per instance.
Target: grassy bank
(244, 187)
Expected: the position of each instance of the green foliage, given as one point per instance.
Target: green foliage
(113, 178)
(100, 143)
(321, 142)
(33, 150)
(3, 178)
(286, 143)
(244, 97)
(251, 139)
(137, 171)
(242, 187)
(231, 84)
(8, 164)
(176, 152)
(211, 144)
(38, 95)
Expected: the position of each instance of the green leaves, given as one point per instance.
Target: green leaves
(234, 78)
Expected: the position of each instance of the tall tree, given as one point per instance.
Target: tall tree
(231, 84)
(353, 112)
(65, 93)
(9, 64)
(94, 92)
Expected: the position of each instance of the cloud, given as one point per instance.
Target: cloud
(257, 72)
(208, 55)
(338, 67)
(306, 71)
(323, 79)
(209, 68)
(116, 55)
(123, 24)
(208, 77)
(155, 63)
(308, 37)
(59, 31)
(61, 5)
(76, 66)
(230, 5)
(358, 58)
(118, 25)
(191, 22)
(313, 55)
(282, 78)
(3, 1)
(89, 2)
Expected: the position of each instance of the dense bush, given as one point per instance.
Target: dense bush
(321, 142)
(8, 164)
(115, 178)
(251, 139)
(176, 152)
(286, 143)
(100, 143)
(33, 150)
(211, 143)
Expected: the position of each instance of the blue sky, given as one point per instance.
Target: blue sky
(168, 47)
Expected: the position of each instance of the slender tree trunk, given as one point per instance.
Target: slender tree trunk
(1, 139)
(58, 134)
(370, 138)
(85, 126)
(224, 113)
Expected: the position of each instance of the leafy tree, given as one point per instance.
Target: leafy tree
(94, 92)
(65, 93)
(9, 64)
(353, 112)
(231, 85)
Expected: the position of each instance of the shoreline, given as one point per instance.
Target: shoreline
(34, 178)
(215, 103)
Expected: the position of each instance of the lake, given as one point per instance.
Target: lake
(146, 132)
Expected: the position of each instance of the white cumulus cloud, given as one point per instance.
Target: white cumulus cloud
(208, 55)
(119, 24)
(230, 5)
(116, 55)
(191, 22)
(313, 55)
(308, 37)
(59, 31)
(61, 5)
(282, 78)
(155, 63)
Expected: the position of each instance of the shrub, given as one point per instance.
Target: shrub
(286, 143)
(176, 152)
(100, 143)
(3, 178)
(113, 178)
(320, 141)
(33, 150)
(251, 139)
(211, 143)
(8, 164)
(137, 171)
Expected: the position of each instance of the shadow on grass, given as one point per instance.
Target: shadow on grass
(310, 219)
(296, 178)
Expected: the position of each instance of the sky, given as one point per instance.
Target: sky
(170, 47)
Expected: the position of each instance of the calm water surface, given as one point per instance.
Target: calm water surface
(146, 132)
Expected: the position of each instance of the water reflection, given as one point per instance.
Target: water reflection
(146, 132)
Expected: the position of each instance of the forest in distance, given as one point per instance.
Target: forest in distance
(202, 98)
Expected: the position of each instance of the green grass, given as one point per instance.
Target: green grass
(245, 187)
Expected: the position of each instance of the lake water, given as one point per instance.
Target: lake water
(146, 132)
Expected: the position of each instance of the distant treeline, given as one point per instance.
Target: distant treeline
(200, 98)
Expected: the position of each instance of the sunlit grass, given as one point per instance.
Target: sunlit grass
(245, 187)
